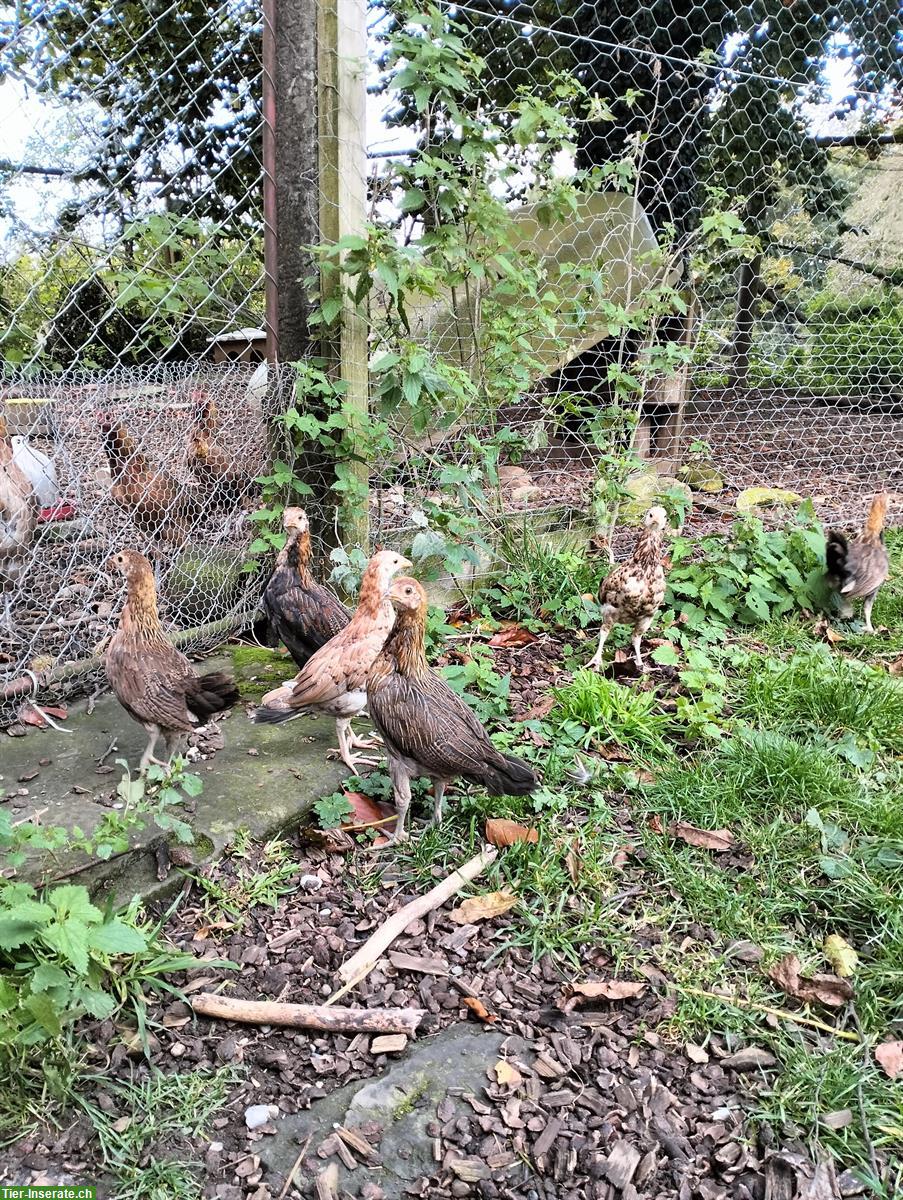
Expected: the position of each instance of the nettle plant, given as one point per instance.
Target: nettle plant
(458, 304)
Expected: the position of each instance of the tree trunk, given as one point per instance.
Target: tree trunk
(747, 293)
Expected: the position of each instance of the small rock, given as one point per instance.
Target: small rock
(839, 1119)
(310, 883)
(850, 1184)
(470, 1170)
(177, 1049)
(743, 951)
(388, 1043)
(257, 1115)
(750, 1058)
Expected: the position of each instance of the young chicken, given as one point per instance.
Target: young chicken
(858, 569)
(153, 681)
(223, 481)
(632, 593)
(427, 728)
(334, 680)
(303, 613)
(159, 505)
(18, 519)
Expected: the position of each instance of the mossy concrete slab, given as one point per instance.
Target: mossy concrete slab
(264, 779)
(402, 1102)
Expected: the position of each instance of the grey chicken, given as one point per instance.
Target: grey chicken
(427, 728)
(856, 570)
(632, 593)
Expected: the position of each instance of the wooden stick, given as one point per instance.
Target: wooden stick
(308, 1016)
(366, 958)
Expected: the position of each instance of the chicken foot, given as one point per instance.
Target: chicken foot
(148, 756)
(347, 740)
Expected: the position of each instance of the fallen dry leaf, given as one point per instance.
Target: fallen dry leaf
(841, 955)
(506, 1073)
(607, 989)
(829, 990)
(366, 811)
(822, 629)
(540, 709)
(479, 1010)
(890, 1058)
(705, 839)
(896, 667)
(479, 908)
(572, 865)
(513, 636)
(502, 832)
(655, 824)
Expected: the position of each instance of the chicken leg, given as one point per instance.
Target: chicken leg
(638, 630)
(347, 740)
(608, 620)
(148, 756)
(439, 786)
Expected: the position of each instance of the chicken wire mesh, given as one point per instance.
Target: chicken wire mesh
(131, 185)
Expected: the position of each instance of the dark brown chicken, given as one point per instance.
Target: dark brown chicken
(159, 505)
(223, 481)
(302, 613)
(632, 593)
(857, 569)
(427, 728)
(334, 680)
(153, 681)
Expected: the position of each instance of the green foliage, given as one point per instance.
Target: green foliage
(747, 577)
(543, 580)
(478, 683)
(596, 711)
(332, 810)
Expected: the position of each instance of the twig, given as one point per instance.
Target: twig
(35, 817)
(309, 1016)
(295, 1165)
(106, 754)
(860, 1100)
(368, 824)
(365, 959)
(781, 1013)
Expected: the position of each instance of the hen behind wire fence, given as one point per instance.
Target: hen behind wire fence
(133, 227)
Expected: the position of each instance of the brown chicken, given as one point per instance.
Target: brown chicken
(427, 728)
(152, 680)
(18, 517)
(224, 483)
(302, 613)
(334, 680)
(858, 569)
(159, 505)
(632, 593)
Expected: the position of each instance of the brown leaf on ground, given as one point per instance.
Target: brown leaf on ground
(889, 1056)
(896, 667)
(540, 709)
(655, 824)
(479, 1010)
(829, 990)
(823, 629)
(512, 636)
(706, 839)
(572, 864)
(479, 908)
(502, 832)
(366, 810)
(612, 752)
(607, 989)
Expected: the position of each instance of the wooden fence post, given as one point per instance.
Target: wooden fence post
(314, 60)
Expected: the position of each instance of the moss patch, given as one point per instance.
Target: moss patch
(258, 669)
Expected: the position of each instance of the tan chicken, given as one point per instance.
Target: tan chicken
(632, 593)
(427, 728)
(334, 680)
(223, 481)
(159, 505)
(856, 570)
(152, 680)
(18, 518)
(303, 613)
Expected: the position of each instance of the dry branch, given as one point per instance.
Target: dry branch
(366, 958)
(309, 1016)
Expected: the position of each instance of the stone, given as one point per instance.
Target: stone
(754, 498)
(646, 488)
(388, 1043)
(750, 1058)
(257, 1115)
(701, 477)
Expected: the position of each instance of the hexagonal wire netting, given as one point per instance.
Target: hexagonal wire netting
(132, 280)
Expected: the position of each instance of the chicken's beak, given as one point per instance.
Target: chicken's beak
(405, 562)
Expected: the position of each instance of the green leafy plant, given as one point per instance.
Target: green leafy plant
(332, 810)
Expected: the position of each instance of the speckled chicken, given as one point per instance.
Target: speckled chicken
(18, 519)
(222, 480)
(632, 593)
(159, 505)
(427, 728)
(856, 570)
(152, 680)
(303, 613)
(334, 680)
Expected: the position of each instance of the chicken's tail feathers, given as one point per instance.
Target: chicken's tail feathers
(211, 693)
(836, 550)
(267, 714)
(509, 776)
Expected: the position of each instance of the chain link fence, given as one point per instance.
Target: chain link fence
(133, 289)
